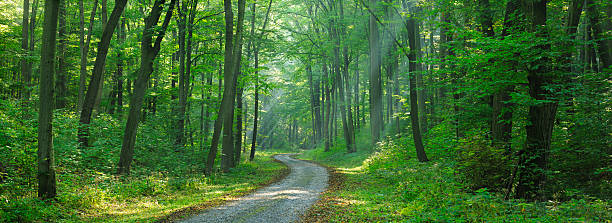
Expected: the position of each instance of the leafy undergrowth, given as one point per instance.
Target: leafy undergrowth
(388, 185)
(106, 198)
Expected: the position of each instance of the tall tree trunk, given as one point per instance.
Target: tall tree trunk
(60, 83)
(25, 74)
(227, 102)
(419, 80)
(605, 59)
(148, 54)
(228, 152)
(32, 26)
(414, 111)
(119, 77)
(357, 102)
(104, 17)
(46, 158)
(183, 79)
(256, 67)
(375, 79)
(97, 74)
(328, 119)
(84, 49)
(533, 159)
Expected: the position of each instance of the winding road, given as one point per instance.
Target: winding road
(284, 201)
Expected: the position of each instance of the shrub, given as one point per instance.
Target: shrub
(483, 165)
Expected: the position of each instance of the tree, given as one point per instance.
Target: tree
(411, 27)
(84, 46)
(256, 68)
(46, 159)
(533, 159)
(97, 74)
(25, 73)
(149, 51)
(376, 120)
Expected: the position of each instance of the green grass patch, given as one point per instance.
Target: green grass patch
(388, 184)
(100, 197)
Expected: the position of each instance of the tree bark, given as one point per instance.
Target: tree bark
(256, 67)
(533, 159)
(46, 158)
(148, 54)
(97, 74)
(375, 79)
(60, 84)
(84, 49)
(227, 102)
(183, 79)
(419, 81)
(414, 111)
(605, 59)
(25, 73)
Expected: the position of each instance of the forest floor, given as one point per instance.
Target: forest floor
(387, 184)
(284, 201)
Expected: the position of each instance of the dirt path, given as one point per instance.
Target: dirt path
(284, 201)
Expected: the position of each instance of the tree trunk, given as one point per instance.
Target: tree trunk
(328, 119)
(533, 159)
(183, 79)
(104, 17)
(46, 158)
(227, 102)
(601, 43)
(148, 54)
(357, 102)
(97, 74)
(375, 79)
(84, 49)
(60, 84)
(25, 74)
(419, 81)
(238, 85)
(414, 111)
(256, 67)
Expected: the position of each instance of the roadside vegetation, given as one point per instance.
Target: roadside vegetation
(387, 183)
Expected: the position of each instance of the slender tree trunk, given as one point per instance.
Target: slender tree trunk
(183, 79)
(46, 158)
(227, 102)
(97, 73)
(119, 77)
(601, 43)
(25, 74)
(60, 83)
(27, 82)
(357, 101)
(419, 81)
(414, 111)
(149, 51)
(375, 79)
(328, 119)
(104, 17)
(256, 67)
(84, 50)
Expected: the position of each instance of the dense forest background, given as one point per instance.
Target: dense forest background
(116, 110)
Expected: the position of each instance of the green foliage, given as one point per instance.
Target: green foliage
(483, 166)
(390, 185)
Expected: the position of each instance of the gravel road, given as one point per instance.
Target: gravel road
(284, 201)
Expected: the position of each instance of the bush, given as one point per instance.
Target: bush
(483, 165)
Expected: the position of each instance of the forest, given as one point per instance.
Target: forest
(305, 111)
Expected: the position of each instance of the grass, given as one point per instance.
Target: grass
(388, 184)
(104, 198)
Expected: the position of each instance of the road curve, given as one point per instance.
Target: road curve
(284, 201)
